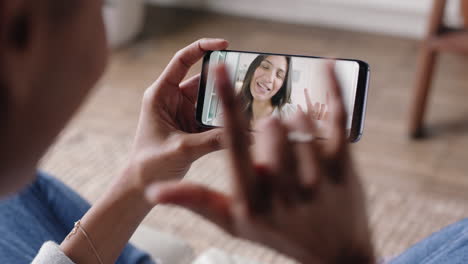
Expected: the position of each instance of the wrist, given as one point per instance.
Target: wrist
(110, 222)
(131, 188)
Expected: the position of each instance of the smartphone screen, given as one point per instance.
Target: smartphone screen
(279, 85)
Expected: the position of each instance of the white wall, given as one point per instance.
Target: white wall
(395, 17)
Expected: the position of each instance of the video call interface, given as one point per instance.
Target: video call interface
(276, 85)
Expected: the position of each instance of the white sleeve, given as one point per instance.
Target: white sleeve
(50, 253)
(217, 256)
(288, 110)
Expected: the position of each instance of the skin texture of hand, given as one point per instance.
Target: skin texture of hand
(168, 137)
(303, 199)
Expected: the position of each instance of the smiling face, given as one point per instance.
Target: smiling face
(268, 78)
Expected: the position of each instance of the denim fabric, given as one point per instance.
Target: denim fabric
(45, 211)
(450, 245)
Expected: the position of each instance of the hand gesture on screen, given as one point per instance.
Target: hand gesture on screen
(168, 138)
(315, 111)
(301, 198)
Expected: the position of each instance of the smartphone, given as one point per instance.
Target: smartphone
(270, 84)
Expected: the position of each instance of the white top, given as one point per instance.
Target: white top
(286, 111)
(50, 253)
(162, 247)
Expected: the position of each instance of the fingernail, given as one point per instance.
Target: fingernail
(152, 193)
(215, 40)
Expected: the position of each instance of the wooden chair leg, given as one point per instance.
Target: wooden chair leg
(426, 64)
(464, 10)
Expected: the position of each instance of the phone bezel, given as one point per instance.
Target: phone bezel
(360, 102)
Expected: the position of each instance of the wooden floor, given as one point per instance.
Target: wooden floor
(414, 187)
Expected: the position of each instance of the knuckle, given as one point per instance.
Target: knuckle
(216, 141)
(182, 145)
(179, 55)
(200, 41)
(147, 96)
(182, 57)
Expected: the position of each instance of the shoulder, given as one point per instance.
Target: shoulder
(286, 110)
(289, 108)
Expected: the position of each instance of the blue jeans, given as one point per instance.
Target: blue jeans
(450, 245)
(45, 211)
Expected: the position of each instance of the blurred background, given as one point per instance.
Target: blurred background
(414, 172)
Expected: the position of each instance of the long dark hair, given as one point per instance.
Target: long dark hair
(282, 97)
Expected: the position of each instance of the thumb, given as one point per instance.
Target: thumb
(212, 205)
(200, 144)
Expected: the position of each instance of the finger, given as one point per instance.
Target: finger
(200, 144)
(189, 88)
(305, 152)
(322, 111)
(210, 204)
(236, 125)
(319, 110)
(274, 152)
(325, 111)
(316, 110)
(327, 103)
(337, 115)
(185, 58)
(264, 190)
(308, 101)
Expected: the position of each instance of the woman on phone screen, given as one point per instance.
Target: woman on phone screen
(266, 90)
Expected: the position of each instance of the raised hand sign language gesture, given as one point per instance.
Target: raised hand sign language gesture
(292, 194)
(317, 111)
